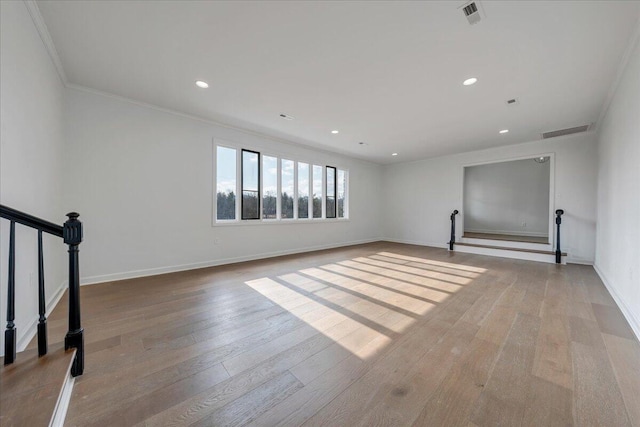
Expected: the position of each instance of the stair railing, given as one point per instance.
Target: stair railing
(71, 234)
(559, 214)
(453, 229)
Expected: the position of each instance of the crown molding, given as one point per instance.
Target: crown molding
(45, 36)
(43, 31)
(308, 145)
(622, 66)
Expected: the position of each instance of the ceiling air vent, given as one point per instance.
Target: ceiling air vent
(562, 132)
(471, 12)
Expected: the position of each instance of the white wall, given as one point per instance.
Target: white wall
(426, 192)
(31, 98)
(142, 181)
(618, 240)
(507, 198)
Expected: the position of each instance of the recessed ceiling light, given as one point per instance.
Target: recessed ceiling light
(504, 131)
(470, 81)
(335, 131)
(286, 116)
(362, 143)
(394, 154)
(201, 84)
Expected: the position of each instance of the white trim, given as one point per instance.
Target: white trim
(32, 329)
(506, 232)
(308, 144)
(622, 66)
(512, 254)
(92, 280)
(225, 143)
(417, 243)
(45, 36)
(283, 221)
(64, 398)
(552, 191)
(509, 159)
(578, 260)
(507, 243)
(634, 322)
(494, 148)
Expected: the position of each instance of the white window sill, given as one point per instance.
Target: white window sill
(251, 222)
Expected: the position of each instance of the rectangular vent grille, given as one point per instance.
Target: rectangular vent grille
(470, 9)
(472, 12)
(562, 132)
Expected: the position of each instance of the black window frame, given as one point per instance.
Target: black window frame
(335, 192)
(242, 190)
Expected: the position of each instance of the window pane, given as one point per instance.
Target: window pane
(250, 185)
(287, 189)
(342, 189)
(317, 191)
(226, 183)
(303, 190)
(331, 192)
(269, 187)
(250, 170)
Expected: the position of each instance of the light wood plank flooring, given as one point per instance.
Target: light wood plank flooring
(373, 335)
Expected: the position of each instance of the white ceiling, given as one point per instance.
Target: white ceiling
(386, 73)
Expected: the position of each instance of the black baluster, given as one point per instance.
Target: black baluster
(453, 229)
(72, 235)
(42, 323)
(559, 213)
(10, 333)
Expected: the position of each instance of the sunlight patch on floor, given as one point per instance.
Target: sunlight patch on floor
(419, 272)
(437, 284)
(454, 266)
(363, 304)
(375, 295)
(413, 290)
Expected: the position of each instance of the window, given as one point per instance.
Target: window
(317, 191)
(342, 191)
(331, 192)
(303, 190)
(287, 188)
(250, 185)
(269, 187)
(225, 183)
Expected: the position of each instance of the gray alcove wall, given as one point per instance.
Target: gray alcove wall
(510, 198)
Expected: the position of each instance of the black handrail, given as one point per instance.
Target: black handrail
(30, 221)
(559, 214)
(71, 233)
(453, 229)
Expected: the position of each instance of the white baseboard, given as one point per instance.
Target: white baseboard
(32, 329)
(92, 280)
(580, 261)
(417, 243)
(627, 313)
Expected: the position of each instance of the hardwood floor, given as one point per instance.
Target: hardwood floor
(380, 334)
